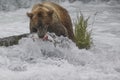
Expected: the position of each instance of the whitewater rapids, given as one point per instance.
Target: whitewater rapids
(44, 60)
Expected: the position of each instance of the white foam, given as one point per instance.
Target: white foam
(60, 59)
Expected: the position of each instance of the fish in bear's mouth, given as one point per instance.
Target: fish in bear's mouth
(42, 31)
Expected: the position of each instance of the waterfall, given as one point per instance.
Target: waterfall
(8, 5)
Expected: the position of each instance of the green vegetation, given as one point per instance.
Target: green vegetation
(83, 37)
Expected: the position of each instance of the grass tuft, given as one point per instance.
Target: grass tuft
(82, 35)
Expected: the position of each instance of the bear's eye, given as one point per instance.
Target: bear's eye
(50, 12)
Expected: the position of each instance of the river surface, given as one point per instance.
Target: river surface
(44, 60)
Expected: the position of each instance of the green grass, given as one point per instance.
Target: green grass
(82, 35)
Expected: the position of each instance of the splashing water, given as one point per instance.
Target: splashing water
(61, 59)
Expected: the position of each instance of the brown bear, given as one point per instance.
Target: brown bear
(50, 17)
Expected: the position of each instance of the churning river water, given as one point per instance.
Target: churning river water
(44, 60)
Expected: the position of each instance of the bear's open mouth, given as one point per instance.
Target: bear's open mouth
(41, 31)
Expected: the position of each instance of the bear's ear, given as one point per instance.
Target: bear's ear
(29, 15)
(50, 12)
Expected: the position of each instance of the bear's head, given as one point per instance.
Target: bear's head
(40, 19)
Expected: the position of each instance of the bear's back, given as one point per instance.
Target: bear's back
(63, 16)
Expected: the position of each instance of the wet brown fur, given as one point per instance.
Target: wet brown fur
(61, 22)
